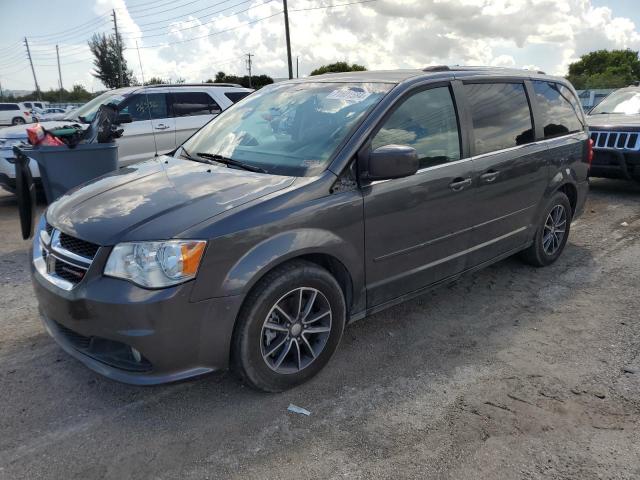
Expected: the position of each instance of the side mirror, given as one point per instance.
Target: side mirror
(123, 118)
(392, 161)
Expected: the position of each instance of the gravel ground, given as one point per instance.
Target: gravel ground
(510, 373)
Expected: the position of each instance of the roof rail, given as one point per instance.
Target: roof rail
(436, 68)
(195, 85)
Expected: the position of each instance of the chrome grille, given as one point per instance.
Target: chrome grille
(616, 140)
(61, 258)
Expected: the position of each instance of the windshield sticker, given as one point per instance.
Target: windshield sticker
(349, 94)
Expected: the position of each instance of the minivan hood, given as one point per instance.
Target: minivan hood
(156, 200)
(613, 120)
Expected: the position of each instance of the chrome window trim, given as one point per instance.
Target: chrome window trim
(489, 154)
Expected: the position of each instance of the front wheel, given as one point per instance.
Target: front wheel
(552, 232)
(289, 327)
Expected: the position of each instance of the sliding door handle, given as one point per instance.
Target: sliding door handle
(460, 184)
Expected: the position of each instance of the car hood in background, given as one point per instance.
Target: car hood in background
(156, 200)
(613, 120)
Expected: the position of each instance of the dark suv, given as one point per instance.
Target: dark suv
(615, 131)
(310, 204)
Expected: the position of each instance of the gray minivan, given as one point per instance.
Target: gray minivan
(309, 204)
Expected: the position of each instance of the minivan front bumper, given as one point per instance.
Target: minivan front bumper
(101, 319)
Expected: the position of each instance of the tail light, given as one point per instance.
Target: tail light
(590, 152)
(27, 113)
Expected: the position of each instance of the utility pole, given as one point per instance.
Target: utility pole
(249, 55)
(59, 71)
(115, 26)
(35, 80)
(286, 33)
(1, 96)
(297, 66)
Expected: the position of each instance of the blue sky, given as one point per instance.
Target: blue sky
(193, 39)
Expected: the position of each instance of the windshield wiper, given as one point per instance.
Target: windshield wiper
(185, 154)
(230, 161)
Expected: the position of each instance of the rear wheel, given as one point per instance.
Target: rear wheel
(289, 327)
(18, 121)
(552, 232)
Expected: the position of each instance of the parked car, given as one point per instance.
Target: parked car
(36, 104)
(162, 117)
(310, 204)
(48, 114)
(14, 114)
(615, 132)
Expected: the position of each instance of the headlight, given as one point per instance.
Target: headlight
(156, 264)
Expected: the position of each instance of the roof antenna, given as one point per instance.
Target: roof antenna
(146, 96)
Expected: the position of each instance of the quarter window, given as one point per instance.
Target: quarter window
(146, 106)
(501, 116)
(427, 122)
(194, 103)
(558, 107)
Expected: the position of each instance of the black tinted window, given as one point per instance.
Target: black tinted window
(427, 122)
(501, 115)
(146, 106)
(558, 108)
(9, 106)
(194, 103)
(236, 96)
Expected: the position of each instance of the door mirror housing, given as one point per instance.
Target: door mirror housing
(123, 118)
(391, 161)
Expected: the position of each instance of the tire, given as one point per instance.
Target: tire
(18, 121)
(552, 232)
(271, 316)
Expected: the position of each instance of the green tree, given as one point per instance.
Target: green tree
(106, 50)
(257, 81)
(605, 69)
(156, 81)
(338, 67)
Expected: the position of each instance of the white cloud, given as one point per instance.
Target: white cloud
(384, 34)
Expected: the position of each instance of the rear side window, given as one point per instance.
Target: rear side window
(146, 106)
(186, 104)
(9, 106)
(427, 122)
(501, 116)
(558, 107)
(236, 96)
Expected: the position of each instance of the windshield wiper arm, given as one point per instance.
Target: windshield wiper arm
(230, 161)
(185, 154)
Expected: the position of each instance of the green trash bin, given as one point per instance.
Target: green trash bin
(63, 168)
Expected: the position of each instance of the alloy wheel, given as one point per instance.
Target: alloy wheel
(554, 230)
(296, 330)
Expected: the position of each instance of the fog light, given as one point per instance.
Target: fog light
(136, 355)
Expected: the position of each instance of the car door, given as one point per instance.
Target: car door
(510, 168)
(5, 114)
(152, 128)
(192, 110)
(417, 228)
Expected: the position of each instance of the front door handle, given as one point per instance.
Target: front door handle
(459, 184)
(162, 126)
(489, 176)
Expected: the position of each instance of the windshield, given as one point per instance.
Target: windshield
(89, 109)
(626, 102)
(290, 128)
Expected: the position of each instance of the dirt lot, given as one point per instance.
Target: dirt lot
(512, 372)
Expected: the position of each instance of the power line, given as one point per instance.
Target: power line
(215, 33)
(331, 6)
(203, 24)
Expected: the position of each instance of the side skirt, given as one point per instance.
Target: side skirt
(416, 293)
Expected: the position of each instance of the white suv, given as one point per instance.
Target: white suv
(14, 114)
(162, 117)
